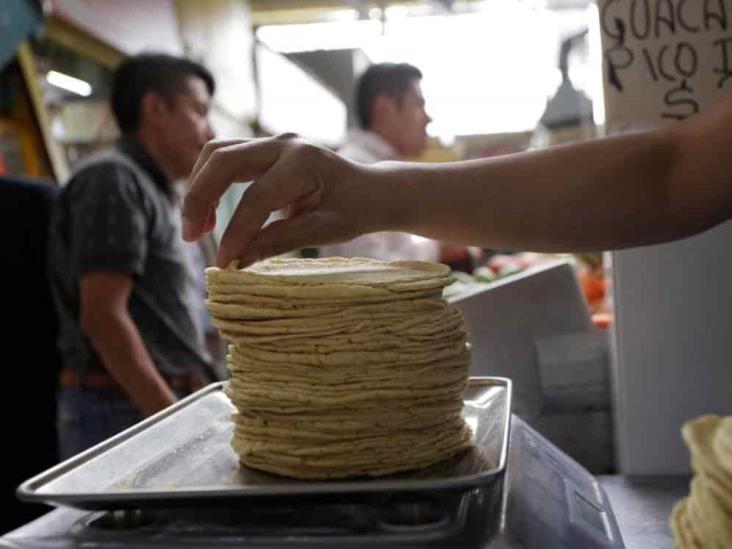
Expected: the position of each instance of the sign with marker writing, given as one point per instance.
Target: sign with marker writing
(663, 60)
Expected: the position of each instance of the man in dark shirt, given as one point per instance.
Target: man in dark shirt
(130, 335)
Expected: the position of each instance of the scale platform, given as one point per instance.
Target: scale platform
(544, 500)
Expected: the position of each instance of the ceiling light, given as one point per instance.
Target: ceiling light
(69, 83)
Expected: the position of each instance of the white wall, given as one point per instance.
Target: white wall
(673, 352)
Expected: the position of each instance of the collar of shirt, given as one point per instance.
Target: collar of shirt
(367, 146)
(133, 148)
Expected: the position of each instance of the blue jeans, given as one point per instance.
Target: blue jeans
(89, 416)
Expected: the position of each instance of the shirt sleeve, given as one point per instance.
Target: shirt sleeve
(109, 223)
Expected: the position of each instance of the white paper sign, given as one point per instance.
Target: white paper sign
(663, 60)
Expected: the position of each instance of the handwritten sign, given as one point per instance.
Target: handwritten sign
(663, 60)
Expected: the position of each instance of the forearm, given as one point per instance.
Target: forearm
(117, 341)
(595, 195)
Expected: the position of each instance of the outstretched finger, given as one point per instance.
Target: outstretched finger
(239, 162)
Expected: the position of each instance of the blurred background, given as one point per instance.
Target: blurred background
(499, 76)
(607, 372)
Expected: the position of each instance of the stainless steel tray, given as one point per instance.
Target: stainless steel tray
(182, 456)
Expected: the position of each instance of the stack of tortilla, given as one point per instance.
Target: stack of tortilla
(704, 518)
(342, 367)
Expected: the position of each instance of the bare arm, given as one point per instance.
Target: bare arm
(107, 323)
(608, 193)
(604, 194)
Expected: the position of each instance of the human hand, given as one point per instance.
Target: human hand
(327, 198)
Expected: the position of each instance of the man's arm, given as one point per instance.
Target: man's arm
(610, 193)
(106, 322)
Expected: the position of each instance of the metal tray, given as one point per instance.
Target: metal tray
(182, 456)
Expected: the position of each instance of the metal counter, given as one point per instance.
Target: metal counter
(642, 506)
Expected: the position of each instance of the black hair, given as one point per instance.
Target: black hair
(391, 79)
(158, 72)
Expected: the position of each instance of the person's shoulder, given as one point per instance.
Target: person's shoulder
(366, 147)
(356, 153)
(107, 168)
(96, 182)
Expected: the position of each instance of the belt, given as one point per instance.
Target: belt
(103, 380)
